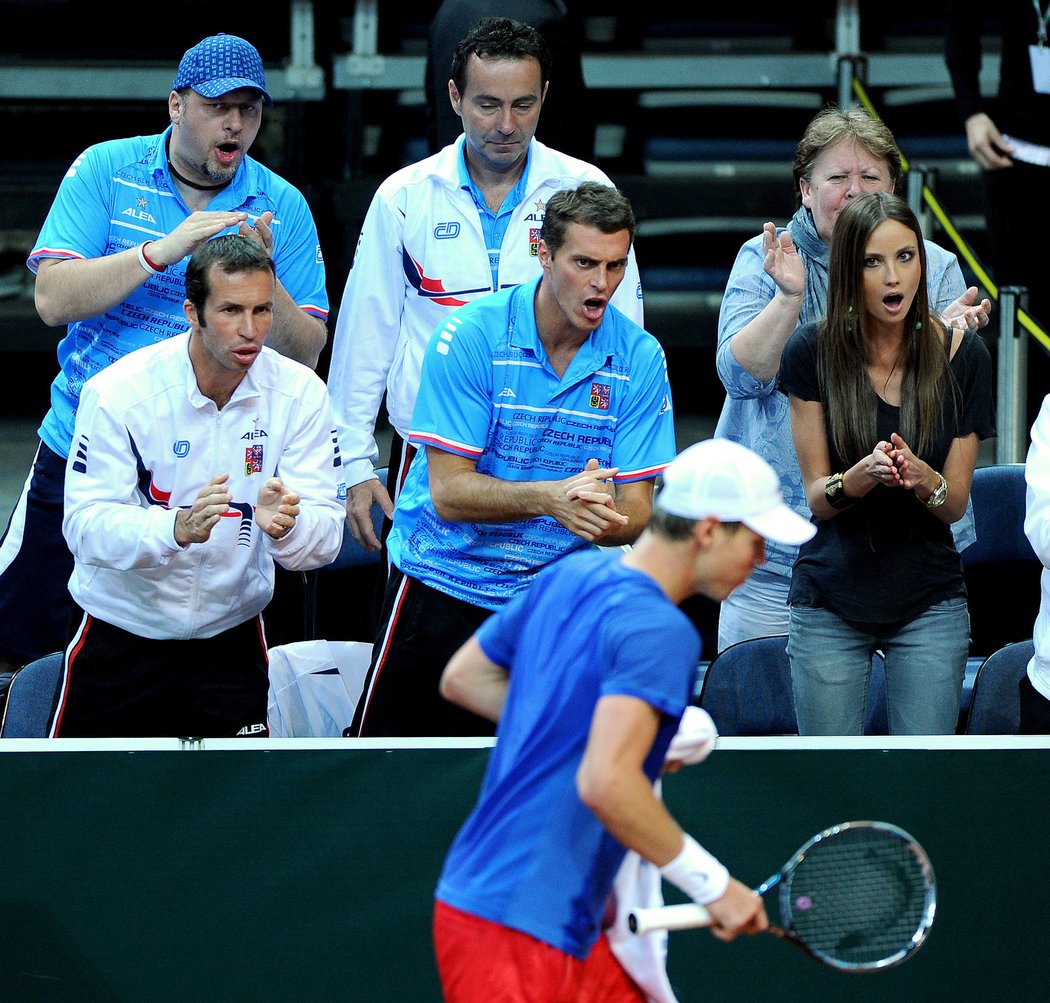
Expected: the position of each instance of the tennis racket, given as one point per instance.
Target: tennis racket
(858, 897)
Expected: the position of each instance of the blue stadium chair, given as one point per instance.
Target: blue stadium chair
(30, 698)
(995, 707)
(351, 555)
(998, 495)
(747, 690)
(1000, 569)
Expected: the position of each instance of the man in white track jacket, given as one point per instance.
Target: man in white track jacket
(196, 463)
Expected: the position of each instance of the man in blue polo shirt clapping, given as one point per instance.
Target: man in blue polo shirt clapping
(546, 416)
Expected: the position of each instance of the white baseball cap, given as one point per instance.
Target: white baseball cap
(721, 478)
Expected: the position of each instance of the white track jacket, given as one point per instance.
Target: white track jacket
(421, 254)
(146, 442)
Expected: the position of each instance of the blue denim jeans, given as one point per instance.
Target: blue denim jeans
(925, 664)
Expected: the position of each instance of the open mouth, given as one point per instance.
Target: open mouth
(227, 153)
(594, 309)
(893, 301)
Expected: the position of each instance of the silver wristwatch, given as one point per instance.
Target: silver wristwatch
(938, 496)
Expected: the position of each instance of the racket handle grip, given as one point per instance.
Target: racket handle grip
(668, 917)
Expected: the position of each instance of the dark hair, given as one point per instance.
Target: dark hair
(842, 347)
(232, 253)
(678, 527)
(671, 527)
(831, 125)
(593, 204)
(500, 38)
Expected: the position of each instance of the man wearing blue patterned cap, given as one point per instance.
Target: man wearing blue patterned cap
(110, 264)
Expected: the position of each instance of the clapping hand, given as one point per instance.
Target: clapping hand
(276, 509)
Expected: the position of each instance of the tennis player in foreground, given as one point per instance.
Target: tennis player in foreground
(588, 674)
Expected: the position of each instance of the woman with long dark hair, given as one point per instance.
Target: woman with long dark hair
(779, 282)
(887, 408)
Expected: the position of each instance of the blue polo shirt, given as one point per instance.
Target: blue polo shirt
(493, 224)
(488, 392)
(532, 856)
(119, 194)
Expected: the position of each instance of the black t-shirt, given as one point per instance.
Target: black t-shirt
(887, 558)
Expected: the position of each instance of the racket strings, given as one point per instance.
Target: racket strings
(857, 898)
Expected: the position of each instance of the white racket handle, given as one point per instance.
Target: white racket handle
(668, 917)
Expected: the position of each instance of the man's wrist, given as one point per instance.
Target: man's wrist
(179, 528)
(699, 874)
(148, 264)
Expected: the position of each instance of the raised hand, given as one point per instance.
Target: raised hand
(967, 313)
(194, 524)
(261, 233)
(193, 231)
(276, 509)
(781, 261)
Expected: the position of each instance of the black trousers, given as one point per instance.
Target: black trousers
(419, 631)
(116, 684)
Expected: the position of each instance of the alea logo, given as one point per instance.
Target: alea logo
(181, 448)
(446, 231)
(146, 217)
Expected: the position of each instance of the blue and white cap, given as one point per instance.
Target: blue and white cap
(220, 64)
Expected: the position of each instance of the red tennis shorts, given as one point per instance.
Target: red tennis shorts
(484, 962)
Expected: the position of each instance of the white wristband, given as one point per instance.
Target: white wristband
(697, 873)
(150, 270)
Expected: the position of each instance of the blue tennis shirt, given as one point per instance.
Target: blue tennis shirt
(532, 856)
(119, 194)
(488, 392)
